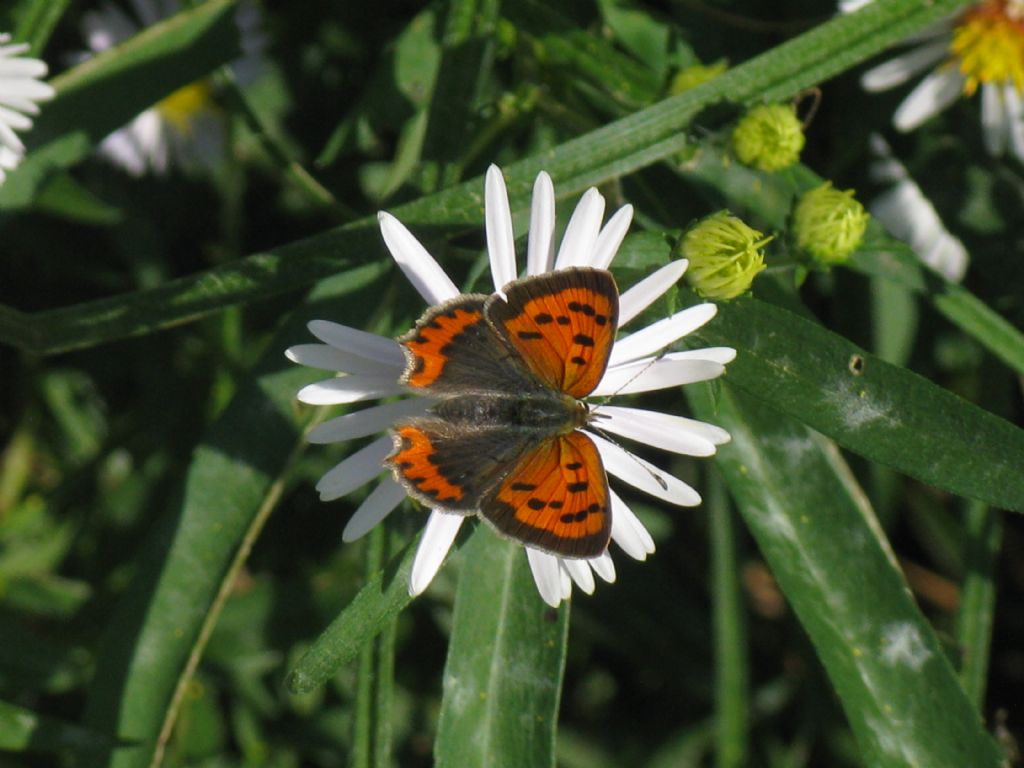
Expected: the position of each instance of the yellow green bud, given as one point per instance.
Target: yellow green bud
(696, 75)
(769, 137)
(829, 224)
(724, 254)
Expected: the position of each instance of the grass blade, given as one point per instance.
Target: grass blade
(503, 678)
(824, 546)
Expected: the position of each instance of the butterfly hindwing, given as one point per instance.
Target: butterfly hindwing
(562, 324)
(452, 350)
(451, 466)
(555, 498)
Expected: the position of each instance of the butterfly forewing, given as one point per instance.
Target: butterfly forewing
(562, 324)
(555, 498)
(454, 350)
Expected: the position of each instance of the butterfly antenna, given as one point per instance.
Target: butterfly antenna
(604, 401)
(657, 478)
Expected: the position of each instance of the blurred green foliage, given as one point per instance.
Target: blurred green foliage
(172, 590)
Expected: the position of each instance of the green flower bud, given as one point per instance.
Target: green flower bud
(724, 254)
(769, 137)
(829, 224)
(696, 75)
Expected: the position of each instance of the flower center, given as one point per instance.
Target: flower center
(182, 106)
(988, 44)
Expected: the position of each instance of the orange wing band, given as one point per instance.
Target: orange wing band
(428, 340)
(414, 469)
(556, 499)
(563, 325)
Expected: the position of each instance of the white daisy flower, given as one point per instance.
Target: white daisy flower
(185, 127)
(980, 48)
(369, 368)
(21, 89)
(909, 216)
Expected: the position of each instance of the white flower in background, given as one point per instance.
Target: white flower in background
(21, 89)
(909, 216)
(980, 48)
(186, 127)
(369, 368)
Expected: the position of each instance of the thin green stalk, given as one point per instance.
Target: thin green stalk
(213, 614)
(984, 527)
(732, 703)
(290, 169)
(37, 22)
(371, 742)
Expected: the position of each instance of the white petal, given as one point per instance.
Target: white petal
(611, 237)
(438, 536)
(723, 355)
(579, 571)
(107, 27)
(995, 127)
(362, 343)
(1015, 116)
(9, 139)
(886, 169)
(660, 334)
(644, 475)
(123, 151)
(659, 430)
(15, 120)
(425, 274)
(379, 504)
(649, 375)
(501, 244)
(709, 432)
(929, 97)
(540, 253)
(647, 291)
(948, 257)
(358, 469)
(349, 389)
(849, 6)
(580, 236)
(604, 567)
(368, 421)
(328, 358)
(623, 532)
(909, 216)
(565, 583)
(900, 69)
(629, 519)
(546, 575)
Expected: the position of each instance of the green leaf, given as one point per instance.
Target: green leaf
(885, 413)
(37, 22)
(984, 535)
(61, 195)
(616, 149)
(22, 730)
(385, 594)
(823, 543)
(732, 693)
(157, 632)
(506, 655)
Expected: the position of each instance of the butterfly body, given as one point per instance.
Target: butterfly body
(504, 439)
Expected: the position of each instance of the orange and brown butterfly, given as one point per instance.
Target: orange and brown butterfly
(504, 439)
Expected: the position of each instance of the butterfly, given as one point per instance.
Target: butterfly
(503, 439)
